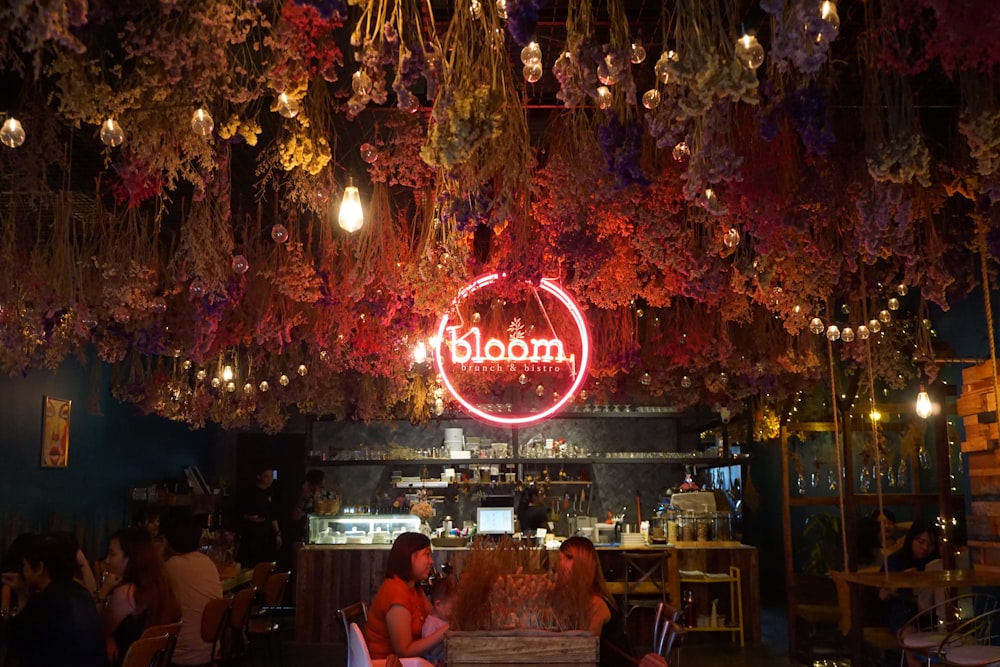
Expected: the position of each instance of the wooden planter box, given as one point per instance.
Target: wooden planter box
(521, 647)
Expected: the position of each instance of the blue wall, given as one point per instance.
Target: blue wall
(112, 447)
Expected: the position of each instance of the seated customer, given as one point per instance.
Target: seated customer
(58, 624)
(442, 594)
(137, 592)
(194, 580)
(397, 614)
(919, 549)
(578, 562)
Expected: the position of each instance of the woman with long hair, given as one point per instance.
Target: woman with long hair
(920, 547)
(137, 591)
(579, 566)
(398, 612)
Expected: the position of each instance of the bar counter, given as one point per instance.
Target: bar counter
(329, 577)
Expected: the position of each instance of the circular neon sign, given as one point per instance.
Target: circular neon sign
(462, 348)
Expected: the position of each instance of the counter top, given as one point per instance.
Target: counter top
(599, 547)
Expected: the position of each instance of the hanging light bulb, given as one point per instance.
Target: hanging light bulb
(645, 380)
(924, 406)
(749, 52)
(816, 326)
(637, 52)
(201, 122)
(111, 133)
(264, 386)
(828, 12)
(603, 97)
(12, 134)
(651, 98)
(833, 332)
(532, 72)
(661, 68)
(227, 373)
(351, 218)
(502, 8)
(420, 352)
(731, 238)
(847, 335)
(531, 54)
(288, 106)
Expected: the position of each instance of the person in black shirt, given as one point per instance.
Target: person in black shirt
(260, 535)
(532, 513)
(59, 625)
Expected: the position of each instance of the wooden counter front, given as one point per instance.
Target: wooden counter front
(329, 577)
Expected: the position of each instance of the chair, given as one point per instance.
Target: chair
(264, 624)
(665, 630)
(358, 655)
(353, 614)
(935, 623)
(972, 643)
(146, 651)
(645, 575)
(261, 571)
(214, 621)
(234, 642)
(816, 616)
(171, 629)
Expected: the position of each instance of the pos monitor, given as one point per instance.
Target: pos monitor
(495, 520)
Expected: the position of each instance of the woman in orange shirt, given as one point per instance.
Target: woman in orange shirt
(397, 613)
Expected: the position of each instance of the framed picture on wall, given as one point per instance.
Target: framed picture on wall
(55, 432)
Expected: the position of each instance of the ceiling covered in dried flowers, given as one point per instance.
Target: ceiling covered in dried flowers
(702, 211)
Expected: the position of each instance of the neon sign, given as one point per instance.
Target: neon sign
(462, 349)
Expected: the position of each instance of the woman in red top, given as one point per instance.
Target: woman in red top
(398, 611)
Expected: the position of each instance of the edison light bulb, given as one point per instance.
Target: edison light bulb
(749, 52)
(923, 403)
(351, 217)
(531, 54)
(202, 123)
(227, 373)
(111, 133)
(420, 352)
(532, 72)
(287, 106)
(12, 134)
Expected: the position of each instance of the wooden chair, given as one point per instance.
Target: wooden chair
(171, 629)
(266, 625)
(214, 622)
(234, 642)
(645, 578)
(146, 652)
(261, 571)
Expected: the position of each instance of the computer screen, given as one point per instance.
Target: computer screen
(495, 520)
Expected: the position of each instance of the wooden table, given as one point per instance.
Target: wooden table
(929, 579)
(241, 578)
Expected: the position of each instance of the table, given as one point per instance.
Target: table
(239, 579)
(848, 582)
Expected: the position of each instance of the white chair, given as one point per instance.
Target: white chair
(972, 643)
(936, 623)
(358, 655)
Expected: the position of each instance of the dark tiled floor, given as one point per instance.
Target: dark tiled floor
(706, 652)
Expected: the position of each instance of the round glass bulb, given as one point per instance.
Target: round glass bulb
(12, 133)
(902, 289)
(111, 133)
(681, 152)
(532, 72)
(531, 54)
(816, 325)
(884, 316)
(202, 123)
(476, 10)
(645, 379)
(369, 153)
(264, 386)
(230, 387)
(302, 370)
(605, 75)
(216, 383)
(240, 264)
(603, 97)
(201, 374)
(875, 326)
(159, 304)
(893, 303)
(540, 390)
(731, 238)
(283, 380)
(197, 288)
(828, 12)
(279, 233)
(685, 382)
(186, 365)
(749, 52)
(522, 378)
(502, 8)
(651, 98)
(287, 106)
(863, 332)
(847, 335)
(637, 53)
(660, 69)
(833, 332)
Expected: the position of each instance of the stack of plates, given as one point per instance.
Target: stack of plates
(633, 540)
(453, 439)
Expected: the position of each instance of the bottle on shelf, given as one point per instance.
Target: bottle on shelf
(690, 609)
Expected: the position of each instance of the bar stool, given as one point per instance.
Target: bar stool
(265, 624)
(646, 581)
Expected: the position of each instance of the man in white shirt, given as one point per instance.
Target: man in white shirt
(195, 581)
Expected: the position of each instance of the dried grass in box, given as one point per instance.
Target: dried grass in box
(518, 592)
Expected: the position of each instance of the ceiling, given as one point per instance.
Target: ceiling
(852, 173)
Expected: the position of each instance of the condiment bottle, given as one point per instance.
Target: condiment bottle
(689, 609)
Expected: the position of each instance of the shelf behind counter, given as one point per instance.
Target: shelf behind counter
(330, 577)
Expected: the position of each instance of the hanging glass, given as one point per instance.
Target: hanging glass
(922, 458)
(831, 480)
(801, 484)
(903, 472)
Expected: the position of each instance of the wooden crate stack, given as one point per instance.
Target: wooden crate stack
(977, 406)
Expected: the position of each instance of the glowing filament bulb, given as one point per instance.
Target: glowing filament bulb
(924, 406)
(227, 373)
(351, 217)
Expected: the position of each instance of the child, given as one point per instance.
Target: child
(442, 591)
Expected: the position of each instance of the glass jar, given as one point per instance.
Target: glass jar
(688, 526)
(703, 525)
(724, 526)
